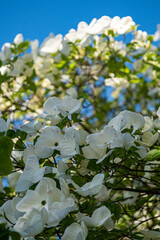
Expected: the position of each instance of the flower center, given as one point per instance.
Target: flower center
(43, 202)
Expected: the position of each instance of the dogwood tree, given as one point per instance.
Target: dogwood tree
(79, 134)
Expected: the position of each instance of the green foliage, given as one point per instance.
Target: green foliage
(6, 146)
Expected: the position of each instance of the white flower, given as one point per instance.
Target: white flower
(148, 124)
(90, 188)
(32, 222)
(98, 26)
(103, 194)
(93, 153)
(44, 194)
(127, 119)
(31, 174)
(151, 234)
(4, 69)
(69, 146)
(51, 44)
(50, 108)
(48, 141)
(123, 140)
(59, 210)
(69, 105)
(141, 151)
(31, 129)
(98, 143)
(8, 209)
(4, 126)
(72, 92)
(29, 151)
(157, 34)
(13, 178)
(100, 217)
(83, 167)
(54, 106)
(123, 25)
(18, 39)
(34, 47)
(60, 170)
(141, 35)
(148, 139)
(131, 197)
(85, 31)
(75, 231)
(6, 52)
(116, 82)
(158, 112)
(102, 139)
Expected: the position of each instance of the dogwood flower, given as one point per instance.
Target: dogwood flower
(127, 119)
(32, 222)
(13, 178)
(6, 52)
(100, 216)
(54, 106)
(31, 129)
(123, 140)
(151, 234)
(9, 211)
(98, 143)
(148, 139)
(18, 39)
(45, 193)
(75, 231)
(31, 174)
(157, 33)
(51, 44)
(59, 210)
(103, 194)
(28, 151)
(51, 111)
(69, 146)
(4, 126)
(49, 140)
(69, 105)
(123, 25)
(60, 170)
(90, 188)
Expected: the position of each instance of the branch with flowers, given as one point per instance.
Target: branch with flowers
(85, 165)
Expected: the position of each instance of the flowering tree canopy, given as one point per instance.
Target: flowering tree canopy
(79, 134)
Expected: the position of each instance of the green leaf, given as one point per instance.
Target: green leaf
(23, 135)
(153, 155)
(6, 146)
(115, 209)
(15, 235)
(19, 145)
(11, 133)
(61, 64)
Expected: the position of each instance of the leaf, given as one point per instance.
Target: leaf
(11, 133)
(23, 135)
(19, 145)
(115, 209)
(6, 146)
(153, 155)
(15, 235)
(61, 64)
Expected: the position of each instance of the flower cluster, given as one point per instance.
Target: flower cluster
(98, 59)
(74, 184)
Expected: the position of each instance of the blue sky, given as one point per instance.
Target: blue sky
(37, 18)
